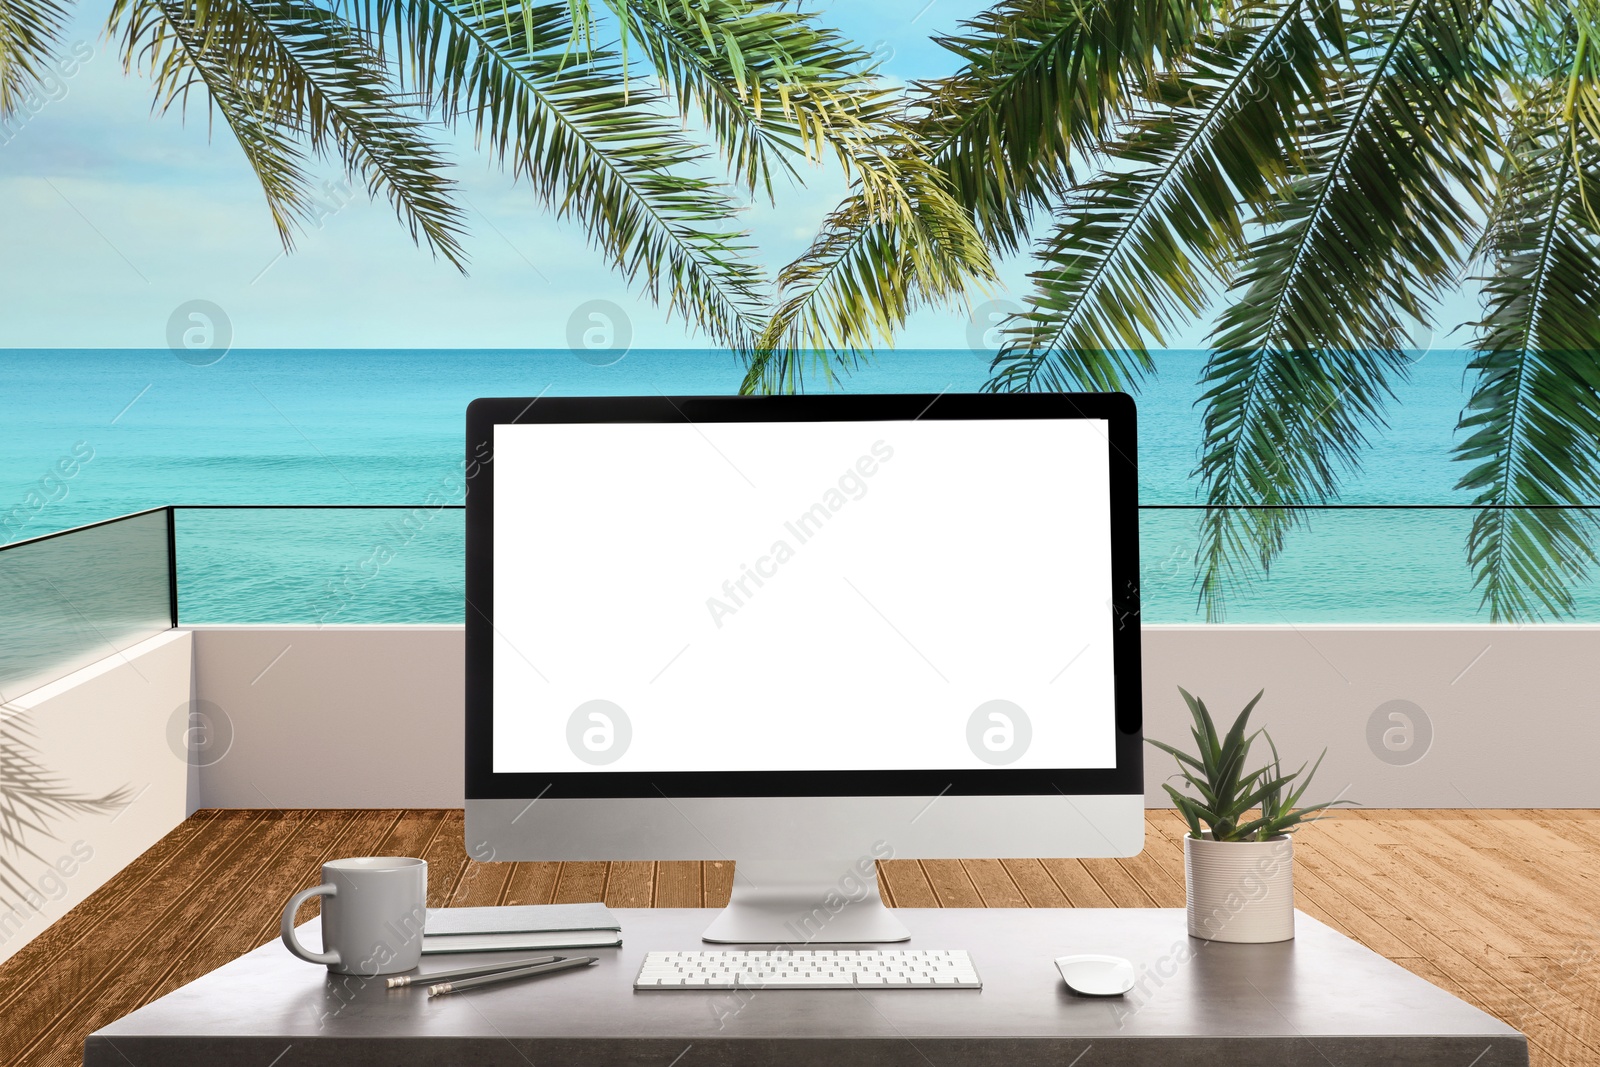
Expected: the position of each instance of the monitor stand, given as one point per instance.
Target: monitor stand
(796, 902)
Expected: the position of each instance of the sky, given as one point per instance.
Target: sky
(118, 217)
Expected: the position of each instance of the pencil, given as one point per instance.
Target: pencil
(506, 976)
(471, 972)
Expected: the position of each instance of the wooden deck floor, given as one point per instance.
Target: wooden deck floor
(1501, 908)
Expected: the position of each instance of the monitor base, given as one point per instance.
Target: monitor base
(800, 902)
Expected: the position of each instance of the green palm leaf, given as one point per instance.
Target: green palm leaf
(1043, 83)
(30, 31)
(1534, 416)
(1366, 239)
(1136, 248)
(1039, 80)
(595, 145)
(868, 268)
(766, 79)
(285, 73)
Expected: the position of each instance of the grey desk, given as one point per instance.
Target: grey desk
(1320, 1001)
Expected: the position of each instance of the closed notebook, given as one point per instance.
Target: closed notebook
(528, 926)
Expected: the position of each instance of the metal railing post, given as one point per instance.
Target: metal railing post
(172, 563)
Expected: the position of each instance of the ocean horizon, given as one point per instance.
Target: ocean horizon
(383, 426)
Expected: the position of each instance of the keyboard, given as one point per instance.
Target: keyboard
(809, 968)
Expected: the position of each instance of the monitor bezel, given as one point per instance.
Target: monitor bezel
(1115, 409)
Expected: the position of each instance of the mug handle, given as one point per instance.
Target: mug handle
(291, 942)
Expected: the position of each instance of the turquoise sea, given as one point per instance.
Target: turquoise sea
(385, 427)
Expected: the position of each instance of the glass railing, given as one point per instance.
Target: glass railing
(78, 596)
(1340, 565)
(344, 565)
(324, 565)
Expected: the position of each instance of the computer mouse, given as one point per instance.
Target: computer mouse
(1096, 976)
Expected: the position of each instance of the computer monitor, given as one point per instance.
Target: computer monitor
(803, 633)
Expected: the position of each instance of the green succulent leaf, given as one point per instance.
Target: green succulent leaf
(1226, 791)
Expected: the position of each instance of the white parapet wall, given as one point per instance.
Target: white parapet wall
(114, 726)
(1428, 717)
(1411, 716)
(330, 716)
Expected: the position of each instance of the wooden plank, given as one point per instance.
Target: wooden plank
(717, 877)
(59, 984)
(1310, 905)
(995, 887)
(1379, 829)
(446, 856)
(532, 883)
(1163, 844)
(482, 885)
(1532, 834)
(1456, 902)
(581, 882)
(1541, 863)
(951, 884)
(630, 884)
(908, 884)
(412, 833)
(252, 915)
(1154, 880)
(1558, 990)
(677, 884)
(144, 938)
(1576, 830)
(1345, 909)
(1480, 971)
(122, 892)
(1038, 889)
(1368, 914)
(1118, 884)
(1076, 883)
(1530, 892)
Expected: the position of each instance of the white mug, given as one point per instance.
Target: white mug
(373, 910)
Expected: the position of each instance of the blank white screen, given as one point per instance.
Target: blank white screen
(944, 564)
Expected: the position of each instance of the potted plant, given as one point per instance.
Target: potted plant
(1238, 857)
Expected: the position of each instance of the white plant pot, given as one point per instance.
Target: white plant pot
(1240, 891)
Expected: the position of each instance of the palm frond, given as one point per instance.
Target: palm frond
(595, 145)
(771, 82)
(1363, 242)
(1534, 414)
(30, 32)
(868, 268)
(1038, 82)
(1042, 83)
(1136, 249)
(290, 77)
(767, 79)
